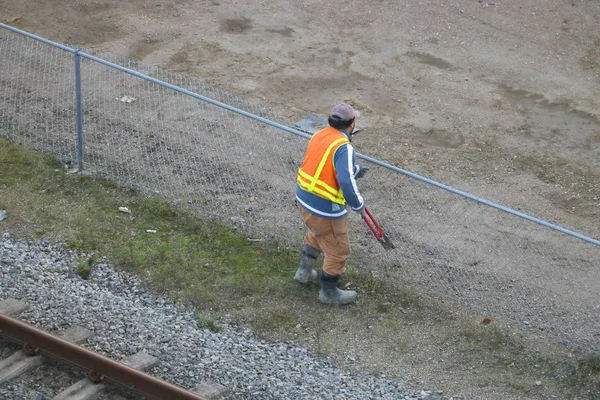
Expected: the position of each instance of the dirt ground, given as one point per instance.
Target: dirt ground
(499, 99)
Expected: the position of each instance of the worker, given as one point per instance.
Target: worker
(326, 184)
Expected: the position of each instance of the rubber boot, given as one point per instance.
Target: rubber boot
(330, 294)
(306, 270)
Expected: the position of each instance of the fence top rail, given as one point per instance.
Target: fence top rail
(302, 134)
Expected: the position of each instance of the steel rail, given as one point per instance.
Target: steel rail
(91, 362)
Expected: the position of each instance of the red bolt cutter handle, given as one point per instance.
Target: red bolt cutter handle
(376, 229)
(372, 224)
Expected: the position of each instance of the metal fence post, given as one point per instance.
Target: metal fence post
(78, 108)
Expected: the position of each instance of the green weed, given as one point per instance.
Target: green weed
(208, 323)
(83, 267)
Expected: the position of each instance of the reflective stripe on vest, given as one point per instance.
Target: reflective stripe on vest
(329, 190)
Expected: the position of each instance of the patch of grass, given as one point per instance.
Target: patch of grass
(488, 337)
(591, 364)
(388, 294)
(503, 352)
(586, 372)
(325, 342)
(83, 267)
(208, 323)
(277, 319)
(184, 257)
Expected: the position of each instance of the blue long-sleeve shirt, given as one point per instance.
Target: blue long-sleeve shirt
(346, 170)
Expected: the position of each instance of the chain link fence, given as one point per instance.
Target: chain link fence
(151, 130)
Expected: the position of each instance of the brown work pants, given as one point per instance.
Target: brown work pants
(329, 236)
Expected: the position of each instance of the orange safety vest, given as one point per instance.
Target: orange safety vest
(316, 175)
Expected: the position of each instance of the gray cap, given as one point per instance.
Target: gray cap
(344, 111)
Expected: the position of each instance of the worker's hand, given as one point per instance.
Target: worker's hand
(359, 171)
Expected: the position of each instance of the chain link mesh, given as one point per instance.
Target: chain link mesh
(242, 172)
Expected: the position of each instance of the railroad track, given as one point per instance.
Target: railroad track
(130, 374)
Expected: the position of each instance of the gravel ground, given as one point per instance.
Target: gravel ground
(127, 317)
